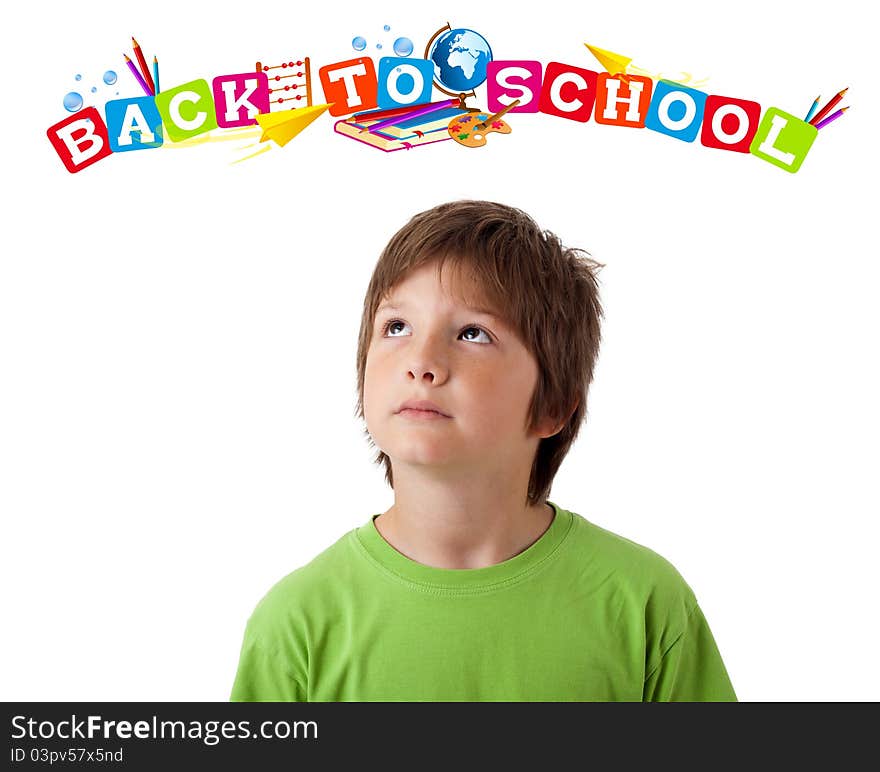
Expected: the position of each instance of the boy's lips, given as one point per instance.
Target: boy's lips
(415, 407)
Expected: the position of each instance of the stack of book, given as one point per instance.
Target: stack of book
(405, 133)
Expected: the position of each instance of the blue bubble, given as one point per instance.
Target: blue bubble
(94, 89)
(403, 46)
(378, 45)
(359, 44)
(109, 77)
(77, 77)
(72, 102)
(387, 28)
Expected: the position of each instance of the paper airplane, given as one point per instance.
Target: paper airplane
(283, 126)
(613, 63)
(617, 64)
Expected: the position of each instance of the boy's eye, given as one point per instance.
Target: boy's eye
(392, 325)
(479, 331)
(395, 326)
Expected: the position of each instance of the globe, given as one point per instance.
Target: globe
(460, 57)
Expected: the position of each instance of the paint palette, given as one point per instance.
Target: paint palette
(471, 130)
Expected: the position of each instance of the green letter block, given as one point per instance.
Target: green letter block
(187, 110)
(782, 139)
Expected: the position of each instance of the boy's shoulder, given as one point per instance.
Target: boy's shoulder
(308, 582)
(634, 567)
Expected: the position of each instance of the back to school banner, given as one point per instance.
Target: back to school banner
(465, 91)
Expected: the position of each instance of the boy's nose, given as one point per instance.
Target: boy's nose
(427, 368)
(425, 359)
(422, 374)
(432, 372)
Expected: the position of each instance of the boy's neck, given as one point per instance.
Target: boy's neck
(470, 528)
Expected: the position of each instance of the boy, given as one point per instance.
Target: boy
(477, 346)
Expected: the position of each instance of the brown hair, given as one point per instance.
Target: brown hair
(546, 292)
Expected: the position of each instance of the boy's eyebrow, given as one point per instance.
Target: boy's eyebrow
(402, 306)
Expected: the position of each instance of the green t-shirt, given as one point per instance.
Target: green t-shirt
(581, 615)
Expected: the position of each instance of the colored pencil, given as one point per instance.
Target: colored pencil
(370, 114)
(156, 73)
(826, 121)
(414, 114)
(140, 78)
(143, 65)
(832, 103)
(813, 108)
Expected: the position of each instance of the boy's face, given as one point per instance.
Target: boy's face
(470, 364)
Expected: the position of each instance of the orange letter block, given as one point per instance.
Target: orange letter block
(350, 86)
(623, 100)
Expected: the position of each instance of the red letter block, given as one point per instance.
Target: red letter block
(80, 140)
(730, 124)
(568, 92)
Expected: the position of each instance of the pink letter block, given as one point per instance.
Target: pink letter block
(238, 98)
(518, 79)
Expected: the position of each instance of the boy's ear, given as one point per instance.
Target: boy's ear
(547, 427)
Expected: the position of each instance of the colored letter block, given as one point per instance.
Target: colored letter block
(187, 110)
(238, 98)
(133, 124)
(622, 100)
(568, 92)
(511, 80)
(783, 140)
(349, 86)
(404, 81)
(676, 110)
(729, 124)
(80, 139)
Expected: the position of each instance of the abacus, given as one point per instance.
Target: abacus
(285, 99)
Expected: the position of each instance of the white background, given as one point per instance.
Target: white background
(178, 337)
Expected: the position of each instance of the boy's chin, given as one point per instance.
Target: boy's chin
(421, 458)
